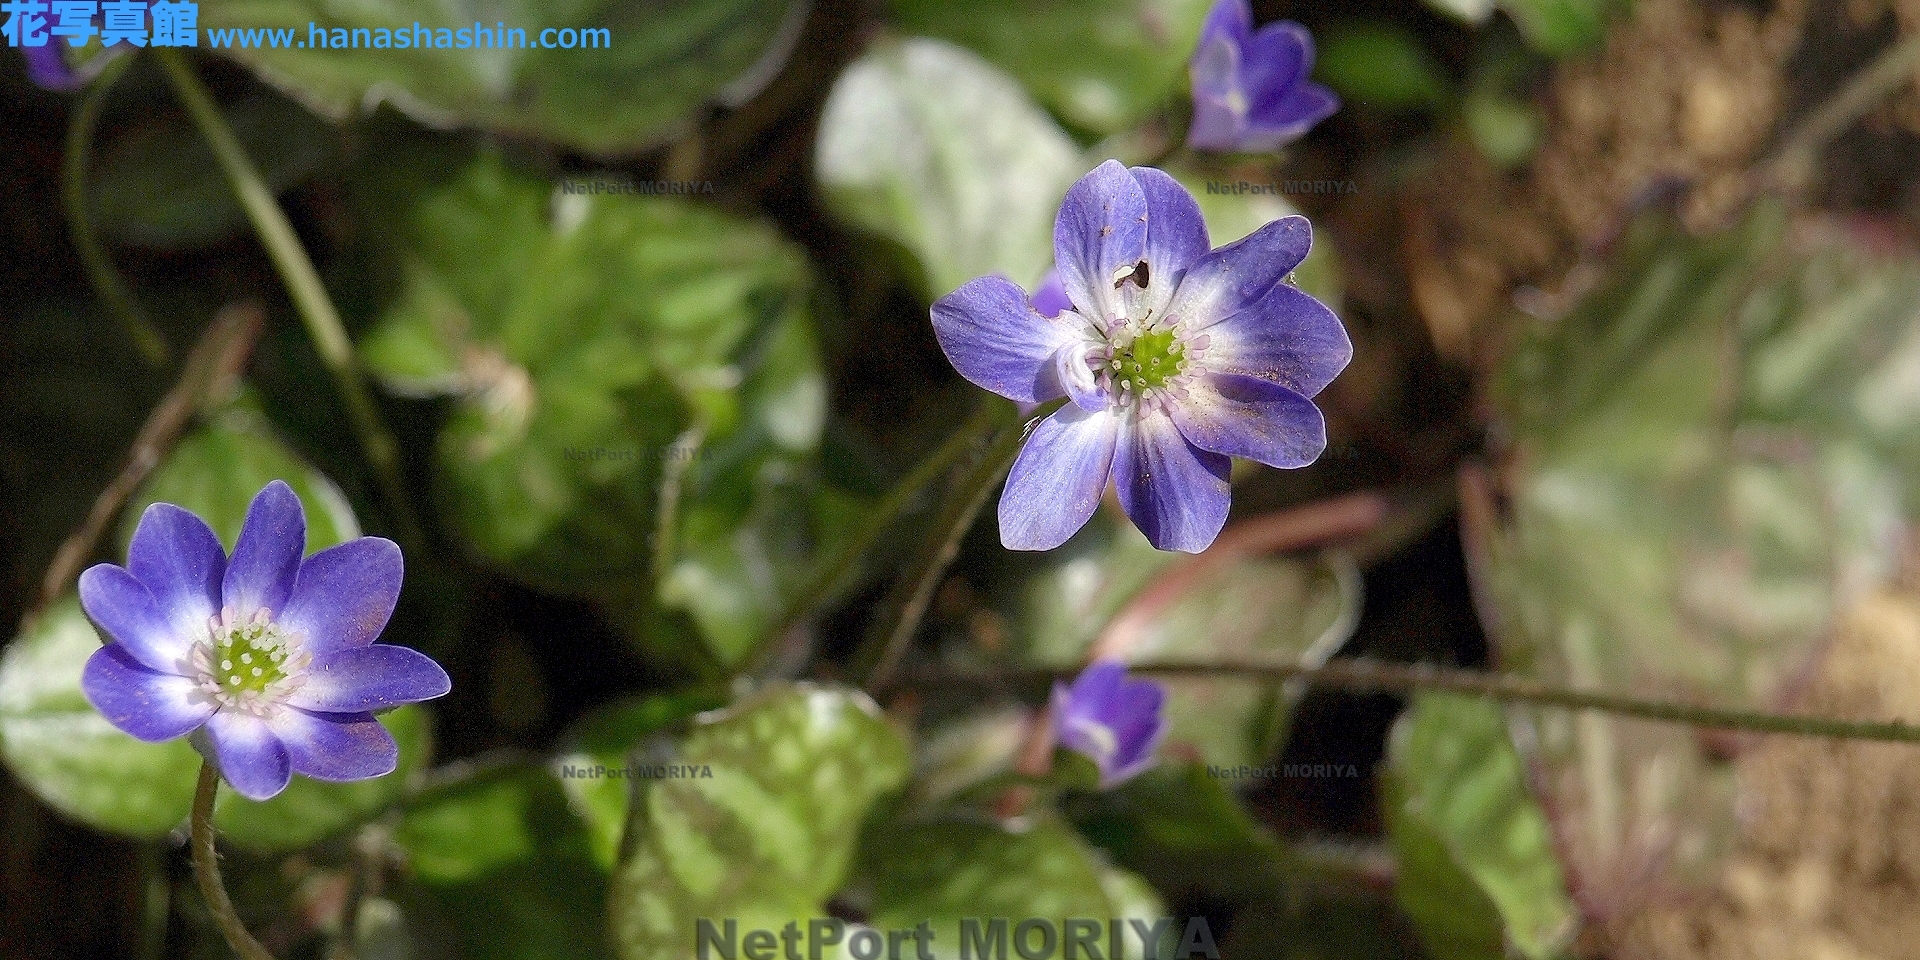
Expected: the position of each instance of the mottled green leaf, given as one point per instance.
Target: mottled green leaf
(607, 739)
(951, 871)
(931, 147)
(682, 54)
(1696, 492)
(312, 810)
(1477, 865)
(604, 349)
(763, 828)
(63, 750)
(1102, 65)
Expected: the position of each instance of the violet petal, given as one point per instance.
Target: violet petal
(343, 595)
(1173, 491)
(144, 703)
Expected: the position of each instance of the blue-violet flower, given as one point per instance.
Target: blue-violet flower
(1114, 721)
(1176, 357)
(266, 658)
(48, 69)
(1250, 87)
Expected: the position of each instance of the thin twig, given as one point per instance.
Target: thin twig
(882, 650)
(206, 869)
(73, 195)
(309, 295)
(830, 575)
(1791, 165)
(1380, 677)
(219, 357)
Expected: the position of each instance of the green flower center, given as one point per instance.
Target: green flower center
(1147, 361)
(250, 658)
(250, 664)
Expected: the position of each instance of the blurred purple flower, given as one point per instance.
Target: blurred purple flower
(1176, 358)
(1050, 297)
(266, 658)
(1250, 88)
(1114, 721)
(48, 70)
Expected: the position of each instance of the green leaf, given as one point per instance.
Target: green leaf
(1477, 864)
(764, 830)
(953, 870)
(159, 185)
(1562, 27)
(216, 470)
(1183, 829)
(608, 738)
(1103, 65)
(1256, 611)
(604, 348)
(931, 147)
(311, 810)
(63, 750)
(1697, 493)
(1383, 66)
(508, 865)
(682, 54)
(1506, 130)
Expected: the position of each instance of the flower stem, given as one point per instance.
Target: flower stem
(1374, 676)
(882, 649)
(828, 578)
(206, 869)
(309, 295)
(73, 195)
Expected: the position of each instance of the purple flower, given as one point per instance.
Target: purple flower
(267, 658)
(48, 70)
(1114, 721)
(1050, 298)
(1250, 88)
(1176, 358)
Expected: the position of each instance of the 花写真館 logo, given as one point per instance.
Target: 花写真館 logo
(176, 23)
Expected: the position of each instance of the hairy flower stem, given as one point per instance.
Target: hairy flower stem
(882, 649)
(1373, 676)
(206, 869)
(309, 295)
(73, 195)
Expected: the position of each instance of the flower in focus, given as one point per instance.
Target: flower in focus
(266, 657)
(1114, 721)
(1250, 87)
(1176, 357)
